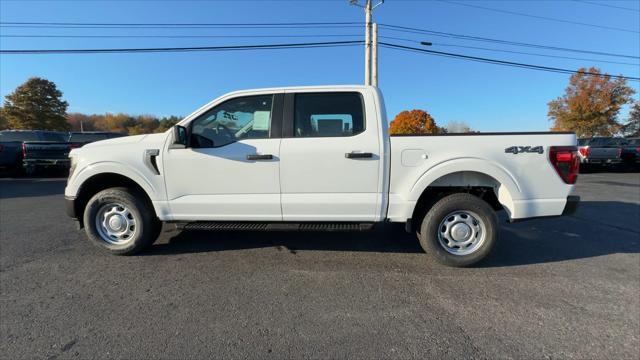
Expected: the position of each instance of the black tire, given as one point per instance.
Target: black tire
(146, 226)
(431, 230)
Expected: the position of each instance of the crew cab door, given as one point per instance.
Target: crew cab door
(230, 168)
(331, 157)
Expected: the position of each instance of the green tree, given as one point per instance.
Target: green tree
(37, 104)
(632, 127)
(457, 127)
(591, 104)
(3, 120)
(167, 122)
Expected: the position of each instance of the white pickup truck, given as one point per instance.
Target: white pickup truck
(317, 158)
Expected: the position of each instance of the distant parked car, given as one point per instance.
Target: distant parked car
(631, 153)
(32, 150)
(10, 152)
(605, 151)
(78, 139)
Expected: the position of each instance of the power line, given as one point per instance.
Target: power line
(607, 5)
(184, 49)
(175, 24)
(279, 25)
(498, 62)
(511, 51)
(87, 25)
(498, 41)
(540, 17)
(309, 36)
(180, 36)
(298, 46)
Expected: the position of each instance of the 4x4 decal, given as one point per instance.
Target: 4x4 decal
(524, 149)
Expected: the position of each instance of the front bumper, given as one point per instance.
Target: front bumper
(46, 162)
(602, 161)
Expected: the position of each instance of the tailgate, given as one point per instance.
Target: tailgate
(604, 153)
(44, 150)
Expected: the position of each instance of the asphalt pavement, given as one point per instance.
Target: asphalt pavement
(554, 288)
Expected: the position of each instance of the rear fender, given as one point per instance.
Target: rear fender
(506, 186)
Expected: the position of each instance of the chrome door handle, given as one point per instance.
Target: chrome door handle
(358, 155)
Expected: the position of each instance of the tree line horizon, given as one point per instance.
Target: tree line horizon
(589, 107)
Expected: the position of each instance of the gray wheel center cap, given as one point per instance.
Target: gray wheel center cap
(460, 232)
(116, 222)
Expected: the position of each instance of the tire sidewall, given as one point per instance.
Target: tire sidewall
(144, 221)
(447, 205)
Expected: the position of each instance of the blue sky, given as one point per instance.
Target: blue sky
(488, 97)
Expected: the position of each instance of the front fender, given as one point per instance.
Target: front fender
(114, 167)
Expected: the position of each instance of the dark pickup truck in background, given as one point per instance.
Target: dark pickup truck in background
(603, 151)
(40, 149)
(31, 150)
(609, 151)
(631, 153)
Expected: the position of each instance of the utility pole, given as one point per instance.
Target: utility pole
(367, 43)
(368, 14)
(374, 56)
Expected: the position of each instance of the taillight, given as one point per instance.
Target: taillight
(74, 146)
(584, 151)
(24, 150)
(565, 160)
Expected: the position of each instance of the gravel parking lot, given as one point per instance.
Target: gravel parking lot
(567, 287)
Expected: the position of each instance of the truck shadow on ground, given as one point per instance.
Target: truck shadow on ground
(597, 229)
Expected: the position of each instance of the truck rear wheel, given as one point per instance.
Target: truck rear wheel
(119, 221)
(459, 230)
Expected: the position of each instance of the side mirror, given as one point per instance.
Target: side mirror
(180, 136)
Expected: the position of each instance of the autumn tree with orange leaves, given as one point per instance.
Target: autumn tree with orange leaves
(414, 122)
(591, 104)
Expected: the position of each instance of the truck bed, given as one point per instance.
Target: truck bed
(521, 174)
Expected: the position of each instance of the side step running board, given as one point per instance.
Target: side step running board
(275, 226)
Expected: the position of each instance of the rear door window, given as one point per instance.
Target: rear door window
(328, 114)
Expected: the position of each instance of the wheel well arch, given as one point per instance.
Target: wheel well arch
(479, 184)
(102, 181)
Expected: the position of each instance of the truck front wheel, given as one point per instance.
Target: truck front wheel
(459, 230)
(119, 221)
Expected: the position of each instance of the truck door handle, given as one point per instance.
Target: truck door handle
(260, 157)
(358, 155)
